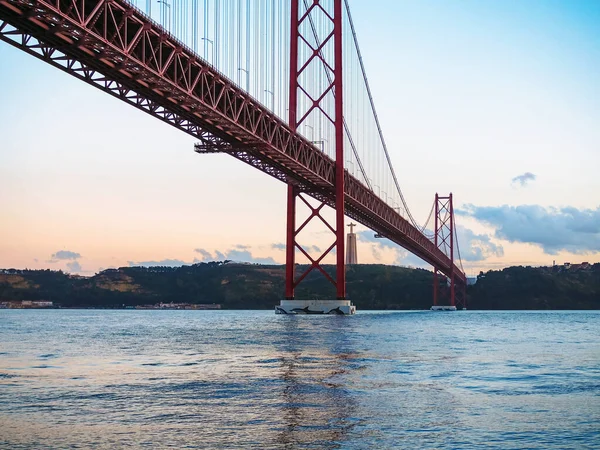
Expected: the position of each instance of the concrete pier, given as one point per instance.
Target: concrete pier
(340, 307)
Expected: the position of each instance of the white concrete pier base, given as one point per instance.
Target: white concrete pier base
(340, 307)
(443, 308)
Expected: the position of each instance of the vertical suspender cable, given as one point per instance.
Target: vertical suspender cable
(216, 36)
(205, 30)
(247, 45)
(389, 161)
(330, 80)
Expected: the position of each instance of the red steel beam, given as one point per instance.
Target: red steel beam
(290, 240)
(115, 47)
(339, 151)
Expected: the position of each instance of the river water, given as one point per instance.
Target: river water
(253, 379)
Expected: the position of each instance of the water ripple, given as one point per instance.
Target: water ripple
(233, 379)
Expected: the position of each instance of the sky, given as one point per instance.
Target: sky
(497, 102)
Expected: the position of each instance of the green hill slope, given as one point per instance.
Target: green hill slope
(239, 286)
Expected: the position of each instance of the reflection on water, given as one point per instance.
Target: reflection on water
(228, 379)
(316, 409)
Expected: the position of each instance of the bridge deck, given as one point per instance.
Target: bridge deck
(115, 47)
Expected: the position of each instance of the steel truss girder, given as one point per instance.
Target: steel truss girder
(54, 57)
(115, 47)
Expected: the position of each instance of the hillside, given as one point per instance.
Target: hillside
(238, 286)
(537, 288)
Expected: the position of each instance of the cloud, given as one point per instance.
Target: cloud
(523, 179)
(64, 255)
(473, 247)
(375, 252)
(476, 247)
(553, 229)
(406, 258)
(369, 236)
(239, 254)
(74, 266)
(308, 248)
(242, 247)
(402, 256)
(205, 254)
(208, 256)
(164, 262)
(246, 256)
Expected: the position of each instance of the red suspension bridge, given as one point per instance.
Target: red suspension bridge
(279, 85)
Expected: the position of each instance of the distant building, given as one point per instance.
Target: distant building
(42, 304)
(582, 266)
(182, 306)
(351, 253)
(26, 304)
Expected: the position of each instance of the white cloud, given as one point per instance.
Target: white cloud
(553, 229)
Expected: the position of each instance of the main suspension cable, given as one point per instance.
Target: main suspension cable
(457, 245)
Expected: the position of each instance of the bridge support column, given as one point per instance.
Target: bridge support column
(290, 243)
(339, 151)
(302, 34)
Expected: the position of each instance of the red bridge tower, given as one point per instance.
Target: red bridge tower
(297, 118)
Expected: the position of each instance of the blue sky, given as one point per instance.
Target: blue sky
(472, 95)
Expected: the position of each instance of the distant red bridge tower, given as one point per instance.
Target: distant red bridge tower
(445, 240)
